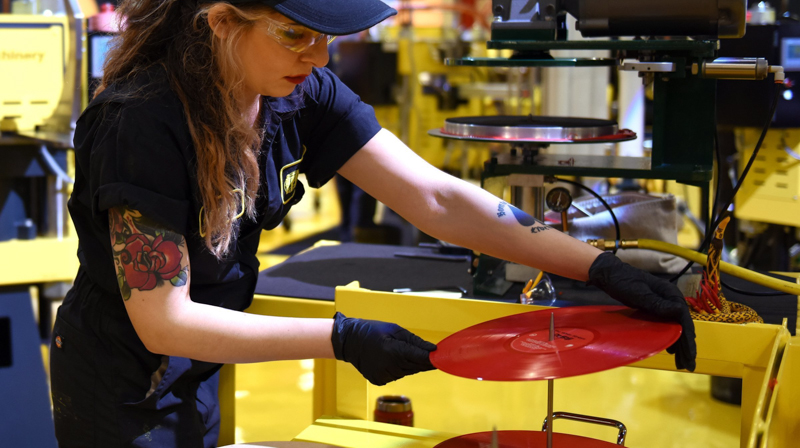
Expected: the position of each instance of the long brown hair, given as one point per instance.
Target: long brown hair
(206, 74)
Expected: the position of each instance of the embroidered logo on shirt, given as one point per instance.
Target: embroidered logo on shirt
(289, 175)
(289, 184)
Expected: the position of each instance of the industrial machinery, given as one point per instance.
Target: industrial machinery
(41, 97)
(674, 47)
(682, 70)
(771, 192)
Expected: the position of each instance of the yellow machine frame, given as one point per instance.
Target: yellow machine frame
(762, 355)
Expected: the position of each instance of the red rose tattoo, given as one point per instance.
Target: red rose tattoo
(145, 255)
(147, 263)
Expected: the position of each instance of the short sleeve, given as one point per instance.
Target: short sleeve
(138, 159)
(334, 126)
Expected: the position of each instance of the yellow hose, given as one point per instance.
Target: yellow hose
(697, 257)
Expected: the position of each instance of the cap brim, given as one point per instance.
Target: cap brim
(336, 17)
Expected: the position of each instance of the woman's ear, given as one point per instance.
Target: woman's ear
(218, 20)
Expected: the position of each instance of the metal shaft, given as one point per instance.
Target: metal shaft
(735, 68)
(550, 390)
(530, 200)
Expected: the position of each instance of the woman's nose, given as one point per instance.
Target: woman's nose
(317, 54)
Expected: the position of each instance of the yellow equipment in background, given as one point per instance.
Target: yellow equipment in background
(42, 72)
(41, 67)
(33, 65)
(431, 91)
(771, 191)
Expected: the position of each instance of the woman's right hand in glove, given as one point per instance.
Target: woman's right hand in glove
(381, 351)
(641, 290)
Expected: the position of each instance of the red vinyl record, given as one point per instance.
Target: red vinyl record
(587, 339)
(522, 439)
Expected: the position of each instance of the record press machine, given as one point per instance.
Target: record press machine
(673, 45)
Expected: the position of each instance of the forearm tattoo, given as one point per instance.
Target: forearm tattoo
(522, 218)
(145, 256)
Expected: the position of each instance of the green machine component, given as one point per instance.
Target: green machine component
(684, 104)
(673, 48)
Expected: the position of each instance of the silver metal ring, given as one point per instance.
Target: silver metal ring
(529, 128)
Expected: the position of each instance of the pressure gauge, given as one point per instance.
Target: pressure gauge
(558, 199)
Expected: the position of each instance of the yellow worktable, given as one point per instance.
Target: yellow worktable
(359, 433)
(750, 352)
(781, 426)
(753, 352)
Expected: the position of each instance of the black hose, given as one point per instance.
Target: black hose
(716, 221)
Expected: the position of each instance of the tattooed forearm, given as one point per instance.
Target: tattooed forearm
(500, 209)
(145, 257)
(522, 218)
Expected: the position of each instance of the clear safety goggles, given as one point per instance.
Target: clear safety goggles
(295, 37)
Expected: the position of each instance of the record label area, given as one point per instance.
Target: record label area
(565, 339)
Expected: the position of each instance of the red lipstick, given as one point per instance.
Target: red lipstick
(296, 79)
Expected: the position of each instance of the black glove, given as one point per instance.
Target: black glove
(638, 289)
(381, 351)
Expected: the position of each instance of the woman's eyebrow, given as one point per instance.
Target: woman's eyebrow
(288, 22)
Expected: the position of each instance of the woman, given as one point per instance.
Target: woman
(206, 114)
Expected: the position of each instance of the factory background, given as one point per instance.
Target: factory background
(696, 130)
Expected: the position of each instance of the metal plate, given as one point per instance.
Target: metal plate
(529, 128)
(532, 62)
(695, 47)
(588, 339)
(610, 139)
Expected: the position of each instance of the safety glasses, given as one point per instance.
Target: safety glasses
(295, 37)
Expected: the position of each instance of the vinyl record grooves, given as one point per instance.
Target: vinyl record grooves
(587, 339)
(522, 439)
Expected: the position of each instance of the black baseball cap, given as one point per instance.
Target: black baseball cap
(335, 17)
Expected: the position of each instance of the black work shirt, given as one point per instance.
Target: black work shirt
(139, 153)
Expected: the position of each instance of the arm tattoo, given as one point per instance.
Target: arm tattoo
(145, 255)
(522, 218)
